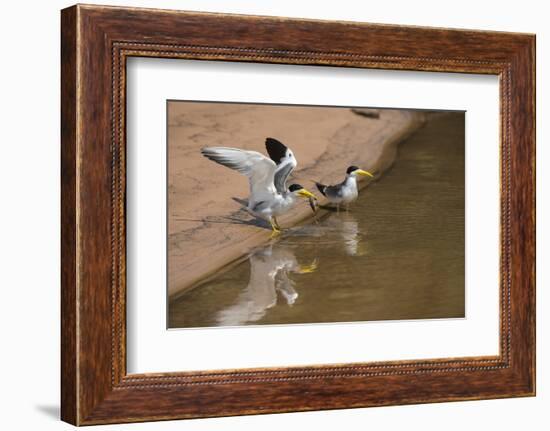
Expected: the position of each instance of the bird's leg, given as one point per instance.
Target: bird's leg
(276, 223)
(337, 208)
(275, 230)
(347, 207)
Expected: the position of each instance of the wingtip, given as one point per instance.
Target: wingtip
(275, 148)
(320, 187)
(206, 150)
(208, 153)
(275, 141)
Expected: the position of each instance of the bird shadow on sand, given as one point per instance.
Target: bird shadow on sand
(236, 219)
(329, 208)
(231, 219)
(242, 217)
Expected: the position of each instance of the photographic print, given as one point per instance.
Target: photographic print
(287, 214)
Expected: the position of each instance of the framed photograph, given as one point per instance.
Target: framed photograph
(264, 215)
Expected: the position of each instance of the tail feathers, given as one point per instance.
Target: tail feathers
(321, 187)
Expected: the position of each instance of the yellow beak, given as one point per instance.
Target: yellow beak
(305, 194)
(364, 173)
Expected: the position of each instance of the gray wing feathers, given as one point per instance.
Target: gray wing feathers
(259, 169)
(333, 192)
(281, 174)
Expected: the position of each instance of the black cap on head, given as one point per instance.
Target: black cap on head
(351, 169)
(295, 187)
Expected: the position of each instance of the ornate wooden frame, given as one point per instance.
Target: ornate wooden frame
(95, 43)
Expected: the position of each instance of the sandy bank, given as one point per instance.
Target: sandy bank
(207, 227)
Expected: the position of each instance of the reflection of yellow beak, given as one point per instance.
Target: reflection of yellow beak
(364, 173)
(307, 269)
(305, 194)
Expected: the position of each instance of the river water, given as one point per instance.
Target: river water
(397, 254)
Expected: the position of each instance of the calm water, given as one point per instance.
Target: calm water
(398, 253)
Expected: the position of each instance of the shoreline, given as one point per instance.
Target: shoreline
(212, 236)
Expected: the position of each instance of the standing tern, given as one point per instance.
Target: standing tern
(269, 195)
(345, 192)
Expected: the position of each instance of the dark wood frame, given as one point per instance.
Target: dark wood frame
(95, 43)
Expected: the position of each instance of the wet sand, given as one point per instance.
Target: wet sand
(207, 226)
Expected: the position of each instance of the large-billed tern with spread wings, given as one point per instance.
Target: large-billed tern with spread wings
(269, 195)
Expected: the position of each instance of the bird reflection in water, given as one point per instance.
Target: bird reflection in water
(338, 232)
(270, 267)
(346, 230)
(270, 283)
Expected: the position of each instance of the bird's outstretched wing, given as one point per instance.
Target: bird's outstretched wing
(281, 174)
(258, 168)
(285, 160)
(275, 149)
